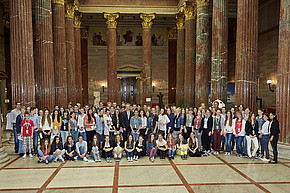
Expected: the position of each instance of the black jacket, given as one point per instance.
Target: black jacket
(125, 122)
(274, 129)
(115, 121)
(209, 124)
(250, 130)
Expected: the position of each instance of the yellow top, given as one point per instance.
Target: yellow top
(56, 124)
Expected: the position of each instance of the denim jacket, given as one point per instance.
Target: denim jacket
(99, 122)
(149, 123)
(135, 122)
(260, 122)
(178, 121)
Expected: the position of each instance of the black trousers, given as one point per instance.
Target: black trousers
(90, 136)
(206, 139)
(162, 153)
(196, 154)
(187, 135)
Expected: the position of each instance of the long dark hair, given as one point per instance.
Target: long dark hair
(190, 141)
(93, 142)
(91, 116)
(128, 142)
(43, 146)
(53, 116)
(67, 143)
(58, 146)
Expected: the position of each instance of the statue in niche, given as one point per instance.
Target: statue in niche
(97, 39)
(160, 41)
(139, 40)
(160, 96)
(118, 38)
(128, 36)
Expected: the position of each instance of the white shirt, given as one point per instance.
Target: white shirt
(144, 121)
(228, 128)
(265, 128)
(46, 126)
(108, 124)
(163, 119)
(14, 114)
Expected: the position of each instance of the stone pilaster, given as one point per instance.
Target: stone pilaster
(202, 52)
(147, 21)
(180, 60)
(44, 55)
(84, 57)
(219, 56)
(78, 58)
(21, 43)
(111, 21)
(283, 72)
(59, 52)
(246, 54)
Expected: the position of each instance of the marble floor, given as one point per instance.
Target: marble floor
(206, 174)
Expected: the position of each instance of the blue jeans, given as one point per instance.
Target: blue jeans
(148, 133)
(100, 137)
(264, 145)
(245, 146)
(135, 136)
(129, 154)
(63, 135)
(48, 158)
(75, 135)
(84, 134)
(259, 143)
(69, 149)
(228, 142)
(93, 155)
(223, 143)
(16, 141)
(274, 147)
(233, 143)
(82, 151)
(35, 141)
(171, 153)
(239, 141)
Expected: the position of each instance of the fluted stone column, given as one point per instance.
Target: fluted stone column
(283, 72)
(147, 57)
(78, 58)
(70, 52)
(246, 54)
(180, 60)
(189, 85)
(84, 57)
(202, 52)
(44, 55)
(59, 52)
(219, 56)
(111, 21)
(21, 43)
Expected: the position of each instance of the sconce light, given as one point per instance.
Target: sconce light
(153, 86)
(103, 85)
(269, 82)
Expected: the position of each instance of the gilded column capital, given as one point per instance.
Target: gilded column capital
(111, 19)
(180, 21)
(172, 33)
(189, 9)
(61, 2)
(200, 3)
(69, 10)
(84, 32)
(77, 19)
(147, 20)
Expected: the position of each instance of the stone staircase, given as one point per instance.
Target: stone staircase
(283, 151)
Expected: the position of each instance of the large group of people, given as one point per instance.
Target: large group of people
(112, 131)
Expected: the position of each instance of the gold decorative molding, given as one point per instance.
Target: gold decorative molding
(111, 19)
(201, 3)
(69, 10)
(180, 21)
(77, 19)
(61, 2)
(147, 20)
(6, 20)
(172, 33)
(189, 10)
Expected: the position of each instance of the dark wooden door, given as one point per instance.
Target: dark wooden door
(128, 89)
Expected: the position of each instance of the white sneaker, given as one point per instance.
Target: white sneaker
(85, 159)
(30, 155)
(128, 158)
(55, 159)
(76, 157)
(24, 156)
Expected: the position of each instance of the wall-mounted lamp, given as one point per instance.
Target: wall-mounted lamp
(153, 86)
(269, 82)
(103, 85)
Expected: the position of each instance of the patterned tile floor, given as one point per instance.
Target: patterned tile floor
(206, 174)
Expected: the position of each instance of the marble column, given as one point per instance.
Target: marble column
(22, 62)
(111, 21)
(78, 58)
(246, 54)
(202, 52)
(84, 58)
(219, 56)
(59, 52)
(70, 52)
(44, 55)
(146, 73)
(189, 68)
(180, 60)
(283, 72)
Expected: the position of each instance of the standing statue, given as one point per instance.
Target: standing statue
(160, 96)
